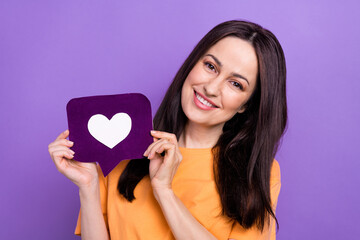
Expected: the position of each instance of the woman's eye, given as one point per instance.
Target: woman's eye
(236, 84)
(210, 66)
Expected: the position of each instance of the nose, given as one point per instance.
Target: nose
(213, 86)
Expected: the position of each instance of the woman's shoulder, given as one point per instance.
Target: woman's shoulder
(275, 171)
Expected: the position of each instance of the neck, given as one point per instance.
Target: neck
(199, 136)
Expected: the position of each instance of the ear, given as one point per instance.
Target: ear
(241, 109)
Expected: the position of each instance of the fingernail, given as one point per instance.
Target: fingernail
(153, 131)
(70, 142)
(72, 151)
(66, 131)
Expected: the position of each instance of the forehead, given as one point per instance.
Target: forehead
(236, 55)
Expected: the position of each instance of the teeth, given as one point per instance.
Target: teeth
(203, 101)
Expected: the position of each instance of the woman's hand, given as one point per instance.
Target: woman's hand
(165, 158)
(82, 174)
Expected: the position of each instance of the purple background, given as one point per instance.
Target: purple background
(52, 51)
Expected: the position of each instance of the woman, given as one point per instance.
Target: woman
(222, 118)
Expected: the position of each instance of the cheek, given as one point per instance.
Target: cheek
(186, 92)
(186, 88)
(234, 101)
(192, 79)
(195, 76)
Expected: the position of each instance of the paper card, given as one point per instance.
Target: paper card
(109, 129)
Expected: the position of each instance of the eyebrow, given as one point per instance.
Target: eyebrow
(220, 64)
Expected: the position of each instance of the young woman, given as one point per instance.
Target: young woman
(210, 172)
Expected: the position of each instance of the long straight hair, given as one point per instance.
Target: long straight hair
(245, 151)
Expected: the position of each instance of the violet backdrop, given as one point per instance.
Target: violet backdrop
(52, 51)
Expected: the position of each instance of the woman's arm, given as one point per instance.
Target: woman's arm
(162, 170)
(92, 220)
(85, 176)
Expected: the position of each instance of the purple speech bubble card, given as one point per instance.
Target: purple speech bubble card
(109, 129)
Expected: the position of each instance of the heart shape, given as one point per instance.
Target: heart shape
(110, 132)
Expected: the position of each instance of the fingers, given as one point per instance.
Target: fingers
(59, 157)
(166, 147)
(60, 154)
(162, 169)
(63, 142)
(154, 148)
(60, 149)
(169, 136)
(160, 136)
(63, 135)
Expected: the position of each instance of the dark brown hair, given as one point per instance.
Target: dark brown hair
(245, 151)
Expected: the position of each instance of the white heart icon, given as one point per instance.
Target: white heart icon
(110, 132)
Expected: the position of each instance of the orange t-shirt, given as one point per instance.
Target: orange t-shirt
(194, 184)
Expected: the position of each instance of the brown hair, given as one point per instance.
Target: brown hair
(246, 148)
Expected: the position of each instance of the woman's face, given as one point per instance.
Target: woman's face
(220, 83)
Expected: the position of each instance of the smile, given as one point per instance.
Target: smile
(202, 103)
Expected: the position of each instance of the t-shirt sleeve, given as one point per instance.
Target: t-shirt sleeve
(269, 232)
(103, 197)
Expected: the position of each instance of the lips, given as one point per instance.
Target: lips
(202, 102)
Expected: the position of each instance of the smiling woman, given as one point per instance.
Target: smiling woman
(220, 83)
(210, 172)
